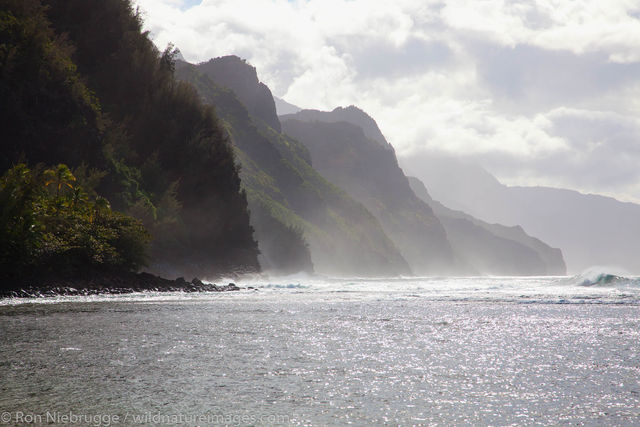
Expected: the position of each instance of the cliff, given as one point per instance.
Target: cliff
(368, 170)
(233, 72)
(493, 249)
(282, 185)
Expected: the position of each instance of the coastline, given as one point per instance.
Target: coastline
(108, 283)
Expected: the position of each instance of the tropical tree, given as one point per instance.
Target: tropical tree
(50, 226)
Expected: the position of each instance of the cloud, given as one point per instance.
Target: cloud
(378, 57)
(537, 91)
(579, 26)
(596, 152)
(530, 79)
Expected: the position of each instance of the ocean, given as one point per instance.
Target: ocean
(319, 351)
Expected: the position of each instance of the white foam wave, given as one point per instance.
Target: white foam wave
(604, 277)
(589, 287)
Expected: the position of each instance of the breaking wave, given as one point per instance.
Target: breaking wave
(604, 278)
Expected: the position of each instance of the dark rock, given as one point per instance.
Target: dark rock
(232, 287)
(100, 283)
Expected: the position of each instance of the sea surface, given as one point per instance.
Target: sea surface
(319, 351)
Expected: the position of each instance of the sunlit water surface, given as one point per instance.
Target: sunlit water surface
(463, 351)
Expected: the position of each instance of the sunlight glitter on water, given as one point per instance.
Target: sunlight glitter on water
(489, 350)
(365, 361)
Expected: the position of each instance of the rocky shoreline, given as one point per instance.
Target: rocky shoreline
(109, 284)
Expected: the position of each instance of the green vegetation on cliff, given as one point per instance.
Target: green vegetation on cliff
(54, 223)
(82, 84)
(283, 186)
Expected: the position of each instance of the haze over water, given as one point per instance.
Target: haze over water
(319, 351)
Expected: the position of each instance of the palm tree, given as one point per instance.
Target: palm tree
(100, 205)
(61, 177)
(78, 195)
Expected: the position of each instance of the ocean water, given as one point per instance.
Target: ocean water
(318, 351)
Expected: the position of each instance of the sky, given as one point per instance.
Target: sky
(538, 92)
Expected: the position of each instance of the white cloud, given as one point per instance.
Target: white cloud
(538, 91)
(579, 26)
(599, 153)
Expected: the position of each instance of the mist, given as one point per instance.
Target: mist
(590, 229)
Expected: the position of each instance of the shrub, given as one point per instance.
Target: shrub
(50, 223)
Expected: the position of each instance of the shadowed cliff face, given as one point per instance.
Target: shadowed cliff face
(286, 195)
(237, 75)
(368, 170)
(83, 85)
(493, 248)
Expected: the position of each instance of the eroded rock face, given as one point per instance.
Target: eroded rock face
(242, 78)
(368, 170)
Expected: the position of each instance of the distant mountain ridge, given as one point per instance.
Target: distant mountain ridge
(368, 171)
(591, 230)
(350, 114)
(493, 248)
(342, 152)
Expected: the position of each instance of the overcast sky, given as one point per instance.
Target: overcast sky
(538, 92)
